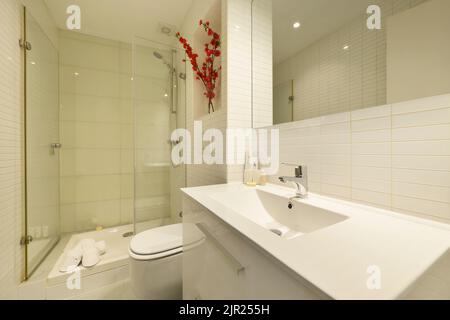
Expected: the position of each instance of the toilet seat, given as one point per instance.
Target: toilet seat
(159, 243)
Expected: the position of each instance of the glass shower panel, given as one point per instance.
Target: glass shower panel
(42, 144)
(157, 109)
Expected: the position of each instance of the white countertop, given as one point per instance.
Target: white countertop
(335, 259)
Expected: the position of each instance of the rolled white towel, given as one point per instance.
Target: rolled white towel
(86, 243)
(71, 260)
(90, 257)
(101, 247)
(87, 251)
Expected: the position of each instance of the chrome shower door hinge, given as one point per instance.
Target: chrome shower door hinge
(26, 240)
(25, 44)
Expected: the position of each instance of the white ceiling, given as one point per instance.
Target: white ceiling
(122, 19)
(318, 18)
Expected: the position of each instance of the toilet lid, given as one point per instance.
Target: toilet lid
(158, 240)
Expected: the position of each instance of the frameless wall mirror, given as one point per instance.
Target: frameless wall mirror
(345, 55)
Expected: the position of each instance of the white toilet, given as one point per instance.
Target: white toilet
(155, 265)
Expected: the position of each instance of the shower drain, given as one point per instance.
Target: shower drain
(127, 234)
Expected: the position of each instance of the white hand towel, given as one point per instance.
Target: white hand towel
(90, 257)
(86, 243)
(71, 260)
(101, 247)
(87, 251)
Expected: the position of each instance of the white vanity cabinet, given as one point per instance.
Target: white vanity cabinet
(227, 265)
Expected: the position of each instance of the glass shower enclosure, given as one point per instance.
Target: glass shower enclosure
(159, 106)
(89, 164)
(41, 144)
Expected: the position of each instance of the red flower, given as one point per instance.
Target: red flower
(208, 73)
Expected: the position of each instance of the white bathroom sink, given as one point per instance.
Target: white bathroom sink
(272, 212)
(321, 235)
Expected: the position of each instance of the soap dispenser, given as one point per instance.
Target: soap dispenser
(251, 172)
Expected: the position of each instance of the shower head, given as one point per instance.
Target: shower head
(159, 56)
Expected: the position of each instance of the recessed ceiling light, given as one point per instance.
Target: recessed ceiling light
(346, 47)
(166, 95)
(33, 63)
(76, 74)
(296, 25)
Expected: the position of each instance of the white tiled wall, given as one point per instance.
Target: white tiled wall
(11, 144)
(262, 63)
(198, 175)
(238, 71)
(393, 156)
(96, 132)
(236, 76)
(329, 79)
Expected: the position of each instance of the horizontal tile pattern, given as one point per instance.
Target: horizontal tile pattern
(262, 83)
(328, 79)
(11, 144)
(392, 156)
(420, 156)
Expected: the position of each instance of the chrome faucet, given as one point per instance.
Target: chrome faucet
(300, 180)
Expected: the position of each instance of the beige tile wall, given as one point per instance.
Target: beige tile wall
(392, 156)
(96, 132)
(99, 95)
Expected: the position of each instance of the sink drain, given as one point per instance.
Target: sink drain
(277, 232)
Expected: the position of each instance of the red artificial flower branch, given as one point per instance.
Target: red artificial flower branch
(207, 73)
